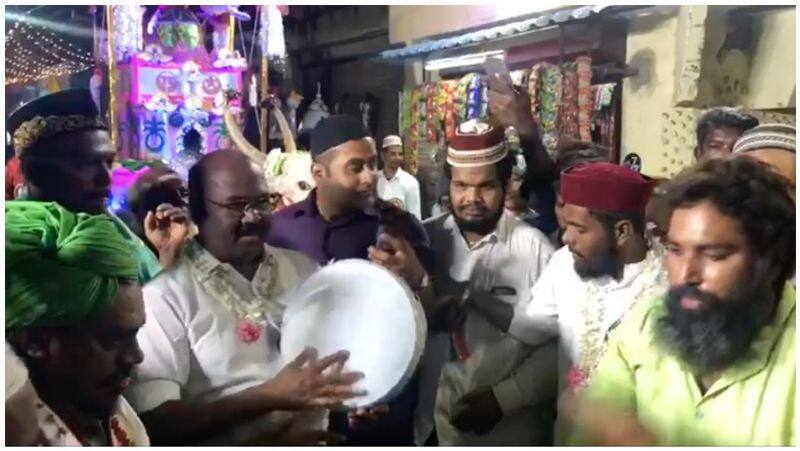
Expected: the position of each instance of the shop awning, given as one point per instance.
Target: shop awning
(543, 20)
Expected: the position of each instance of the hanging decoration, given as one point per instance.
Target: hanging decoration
(153, 53)
(176, 27)
(270, 35)
(585, 106)
(155, 132)
(315, 113)
(128, 39)
(34, 53)
(176, 119)
(95, 85)
(113, 75)
(568, 124)
(551, 101)
(564, 103)
(222, 19)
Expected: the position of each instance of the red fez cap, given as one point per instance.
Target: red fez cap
(476, 144)
(606, 187)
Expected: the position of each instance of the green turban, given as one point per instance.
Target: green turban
(60, 266)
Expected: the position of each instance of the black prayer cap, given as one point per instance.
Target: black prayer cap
(62, 103)
(335, 130)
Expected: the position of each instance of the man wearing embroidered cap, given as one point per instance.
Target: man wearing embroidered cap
(713, 362)
(66, 155)
(773, 144)
(495, 389)
(589, 284)
(394, 184)
(73, 308)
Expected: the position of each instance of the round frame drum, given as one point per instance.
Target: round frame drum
(358, 306)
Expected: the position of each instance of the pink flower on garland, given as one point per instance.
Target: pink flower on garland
(120, 436)
(248, 332)
(575, 378)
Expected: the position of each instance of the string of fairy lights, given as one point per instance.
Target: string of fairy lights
(34, 53)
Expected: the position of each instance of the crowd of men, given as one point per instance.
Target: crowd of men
(567, 302)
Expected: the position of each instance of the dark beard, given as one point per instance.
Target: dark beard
(714, 337)
(481, 227)
(604, 263)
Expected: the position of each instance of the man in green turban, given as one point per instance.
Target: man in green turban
(73, 309)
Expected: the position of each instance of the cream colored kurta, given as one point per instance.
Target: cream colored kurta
(507, 264)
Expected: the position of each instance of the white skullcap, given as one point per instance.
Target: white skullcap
(767, 136)
(392, 140)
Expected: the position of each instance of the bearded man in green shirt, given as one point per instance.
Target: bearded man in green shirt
(713, 363)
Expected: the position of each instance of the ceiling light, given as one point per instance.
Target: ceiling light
(471, 59)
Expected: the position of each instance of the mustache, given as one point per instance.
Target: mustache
(481, 207)
(253, 228)
(117, 377)
(676, 293)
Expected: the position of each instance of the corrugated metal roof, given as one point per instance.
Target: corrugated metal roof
(488, 34)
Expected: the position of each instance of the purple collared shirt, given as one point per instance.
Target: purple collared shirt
(300, 227)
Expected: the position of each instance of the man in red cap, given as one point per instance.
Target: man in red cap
(494, 390)
(589, 284)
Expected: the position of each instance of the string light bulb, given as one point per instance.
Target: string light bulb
(35, 53)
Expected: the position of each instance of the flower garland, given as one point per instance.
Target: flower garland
(254, 313)
(593, 339)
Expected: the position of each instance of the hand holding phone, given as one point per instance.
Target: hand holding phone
(499, 76)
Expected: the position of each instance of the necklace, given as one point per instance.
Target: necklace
(593, 337)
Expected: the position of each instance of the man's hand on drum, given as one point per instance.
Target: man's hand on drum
(364, 418)
(477, 412)
(312, 382)
(400, 259)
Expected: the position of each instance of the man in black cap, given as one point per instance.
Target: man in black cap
(343, 218)
(66, 155)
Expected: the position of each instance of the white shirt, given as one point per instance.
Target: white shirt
(557, 301)
(402, 190)
(521, 377)
(190, 339)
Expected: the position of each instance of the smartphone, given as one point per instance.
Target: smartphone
(496, 65)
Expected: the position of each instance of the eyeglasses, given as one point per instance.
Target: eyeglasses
(261, 206)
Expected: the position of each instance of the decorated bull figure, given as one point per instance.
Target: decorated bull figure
(288, 174)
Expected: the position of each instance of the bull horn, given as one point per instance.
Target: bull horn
(236, 135)
(286, 132)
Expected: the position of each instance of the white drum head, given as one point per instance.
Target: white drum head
(360, 307)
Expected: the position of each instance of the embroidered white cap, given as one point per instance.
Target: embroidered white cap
(392, 140)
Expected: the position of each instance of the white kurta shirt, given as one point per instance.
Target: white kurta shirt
(557, 301)
(507, 262)
(402, 190)
(191, 344)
